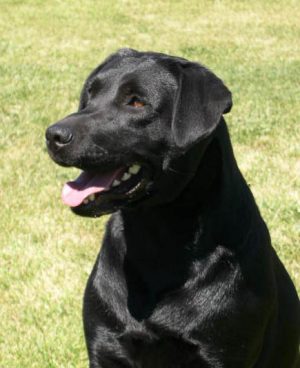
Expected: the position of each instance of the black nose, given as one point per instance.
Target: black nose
(58, 136)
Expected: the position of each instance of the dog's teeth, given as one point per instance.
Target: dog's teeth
(85, 201)
(126, 176)
(91, 197)
(116, 183)
(134, 169)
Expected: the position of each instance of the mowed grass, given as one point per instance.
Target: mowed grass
(46, 51)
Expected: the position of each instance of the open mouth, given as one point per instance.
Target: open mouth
(90, 187)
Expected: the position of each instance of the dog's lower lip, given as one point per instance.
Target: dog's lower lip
(97, 198)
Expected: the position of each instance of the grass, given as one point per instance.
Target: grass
(46, 51)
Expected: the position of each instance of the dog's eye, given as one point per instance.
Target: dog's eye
(134, 101)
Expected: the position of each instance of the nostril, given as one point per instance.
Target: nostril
(58, 136)
(62, 138)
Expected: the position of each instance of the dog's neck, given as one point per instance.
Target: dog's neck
(217, 190)
(170, 238)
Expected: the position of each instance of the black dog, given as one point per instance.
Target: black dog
(186, 276)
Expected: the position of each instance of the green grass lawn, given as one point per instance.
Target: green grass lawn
(46, 51)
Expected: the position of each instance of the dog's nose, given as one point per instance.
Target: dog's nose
(58, 135)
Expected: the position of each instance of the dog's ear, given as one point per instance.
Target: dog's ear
(200, 101)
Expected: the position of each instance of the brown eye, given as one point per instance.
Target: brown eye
(136, 102)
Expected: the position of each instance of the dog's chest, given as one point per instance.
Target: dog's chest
(147, 351)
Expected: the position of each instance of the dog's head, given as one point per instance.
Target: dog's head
(140, 118)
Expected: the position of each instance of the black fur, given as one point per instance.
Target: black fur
(186, 276)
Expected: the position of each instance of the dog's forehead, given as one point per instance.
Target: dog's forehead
(147, 68)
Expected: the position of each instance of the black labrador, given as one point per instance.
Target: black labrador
(186, 276)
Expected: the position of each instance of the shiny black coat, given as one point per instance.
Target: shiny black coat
(186, 276)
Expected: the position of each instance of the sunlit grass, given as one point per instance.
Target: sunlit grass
(46, 51)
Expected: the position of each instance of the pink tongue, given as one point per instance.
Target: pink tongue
(74, 192)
